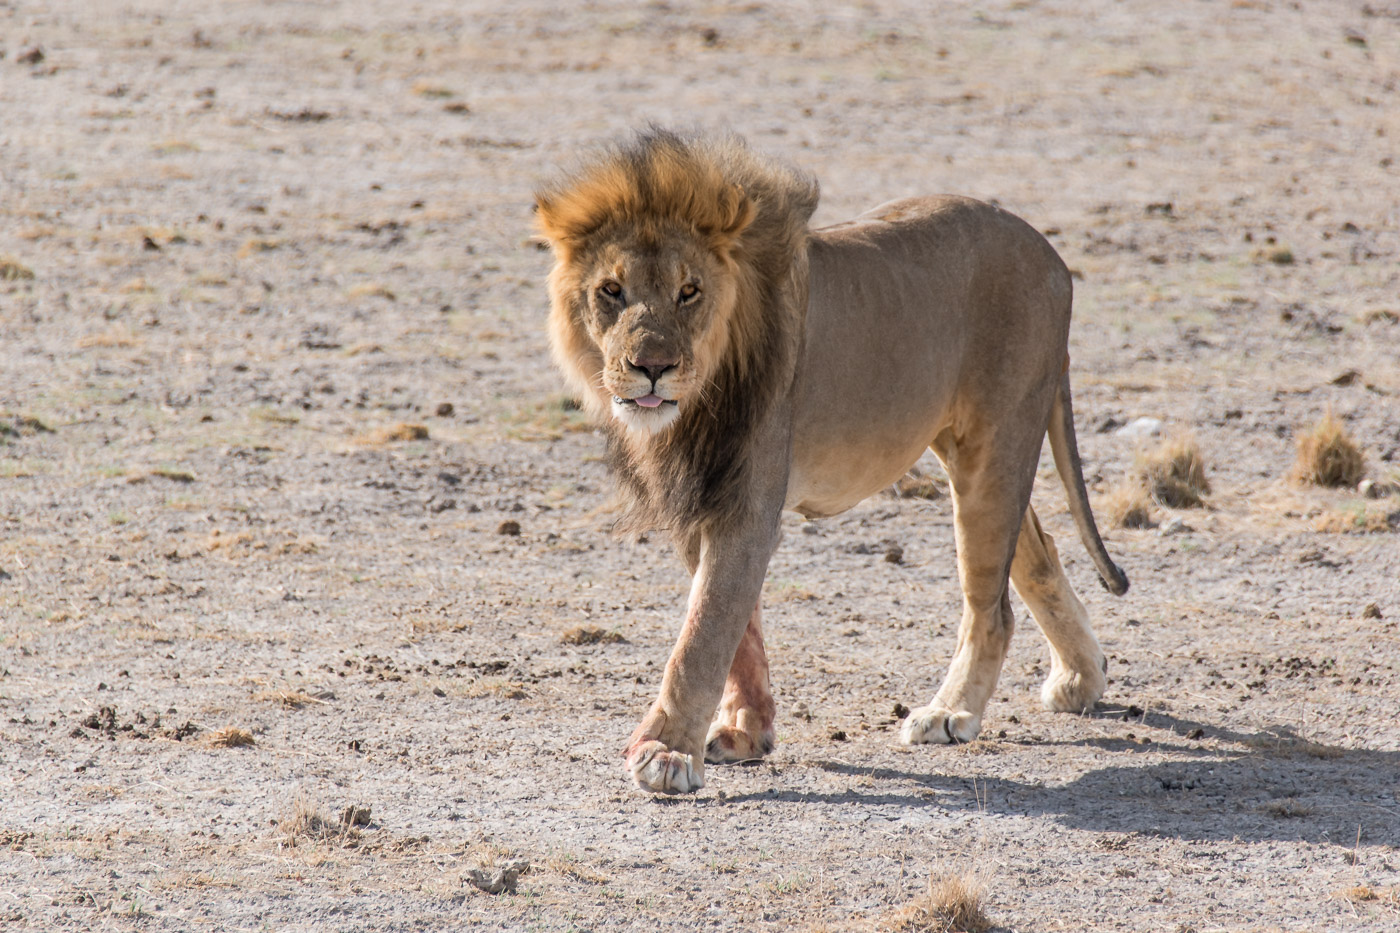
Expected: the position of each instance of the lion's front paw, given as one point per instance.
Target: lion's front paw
(1069, 691)
(660, 770)
(937, 725)
(726, 743)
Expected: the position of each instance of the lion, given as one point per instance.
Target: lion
(742, 363)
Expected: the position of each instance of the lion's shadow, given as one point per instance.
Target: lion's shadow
(1266, 786)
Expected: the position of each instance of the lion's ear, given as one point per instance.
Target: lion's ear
(548, 222)
(736, 211)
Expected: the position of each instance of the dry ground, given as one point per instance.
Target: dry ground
(278, 382)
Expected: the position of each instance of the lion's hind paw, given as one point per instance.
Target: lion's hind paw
(728, 744)
(936, 725)
(660, 770)
(1066, 691)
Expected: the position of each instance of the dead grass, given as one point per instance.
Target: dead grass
(952, 904)
(573, 870)
(257, 245)
(12, 270)
(230, 737)
(1127, 505)
(307, 824)
(372, 290)
(1174, 475)
(1327, 456)
(547, 419)
(430, 90)
(590, 635)
(1359, 518)
(1290, 746)
(1288, 807)
(287, 698)
(496, 687)
(110, 341)
(392, 433)
(1364, 894)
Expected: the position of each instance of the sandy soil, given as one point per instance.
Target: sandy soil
(278, 383)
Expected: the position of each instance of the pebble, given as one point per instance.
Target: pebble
(1174, 526)
(1141, 427)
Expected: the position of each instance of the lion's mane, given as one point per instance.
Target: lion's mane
(751, 212)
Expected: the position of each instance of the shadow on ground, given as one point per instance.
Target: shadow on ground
(1271, 785)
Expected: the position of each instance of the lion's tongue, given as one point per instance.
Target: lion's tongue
(649, 401)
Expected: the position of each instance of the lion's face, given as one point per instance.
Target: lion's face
(646, 322)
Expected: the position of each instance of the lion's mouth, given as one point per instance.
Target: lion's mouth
(645, 401)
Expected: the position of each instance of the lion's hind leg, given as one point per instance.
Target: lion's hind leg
(742, 729)
(1077, 663)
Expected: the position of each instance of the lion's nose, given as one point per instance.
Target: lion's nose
(654, 368)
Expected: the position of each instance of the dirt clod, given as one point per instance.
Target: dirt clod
(501, 879)
(508, 527)
(1372, 611)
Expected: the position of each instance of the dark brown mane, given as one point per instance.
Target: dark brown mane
(752, 210)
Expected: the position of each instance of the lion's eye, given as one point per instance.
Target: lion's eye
(688, 291)
(611, 289)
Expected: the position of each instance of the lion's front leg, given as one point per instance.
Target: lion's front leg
(743, 726)
(667, 751)
(990, 489)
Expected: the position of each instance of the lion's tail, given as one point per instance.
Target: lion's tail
(1066, 450)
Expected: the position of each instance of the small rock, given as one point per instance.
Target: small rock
(900, 711)
(1174, 526)
(894, 554)
(30, 56)
(1370, 489)
(1140, 427)
(1372, 611)
(445, 409)
(508, 527)
(838, 736)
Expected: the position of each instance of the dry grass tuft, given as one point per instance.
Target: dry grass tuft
(391, 433)
(230, 737)
(1174, 475)
(1127, 505)
(590, 635)
(287, 699)
(1327, 456)
(952, 904)
(308, 824)
(1363, 893)
(12, 270)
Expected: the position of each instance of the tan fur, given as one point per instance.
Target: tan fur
(742, 364)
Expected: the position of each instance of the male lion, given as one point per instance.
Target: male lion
(743, 364)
